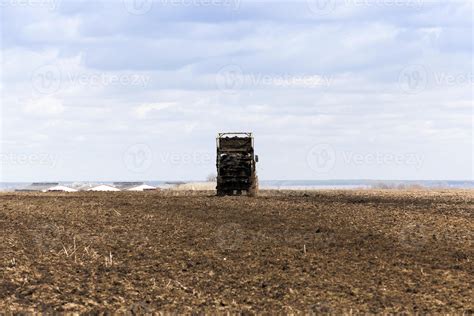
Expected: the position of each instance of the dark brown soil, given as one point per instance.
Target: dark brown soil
(321, 252)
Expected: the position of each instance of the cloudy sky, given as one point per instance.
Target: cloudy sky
(332, 89)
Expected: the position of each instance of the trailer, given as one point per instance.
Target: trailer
(236, 164)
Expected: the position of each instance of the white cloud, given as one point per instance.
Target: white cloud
(143, 110)
(45, 106)
(283, 49)
(57, 29)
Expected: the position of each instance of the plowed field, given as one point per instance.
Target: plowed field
(320, 252)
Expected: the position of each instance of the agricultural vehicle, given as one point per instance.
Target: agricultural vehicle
(236, 164)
